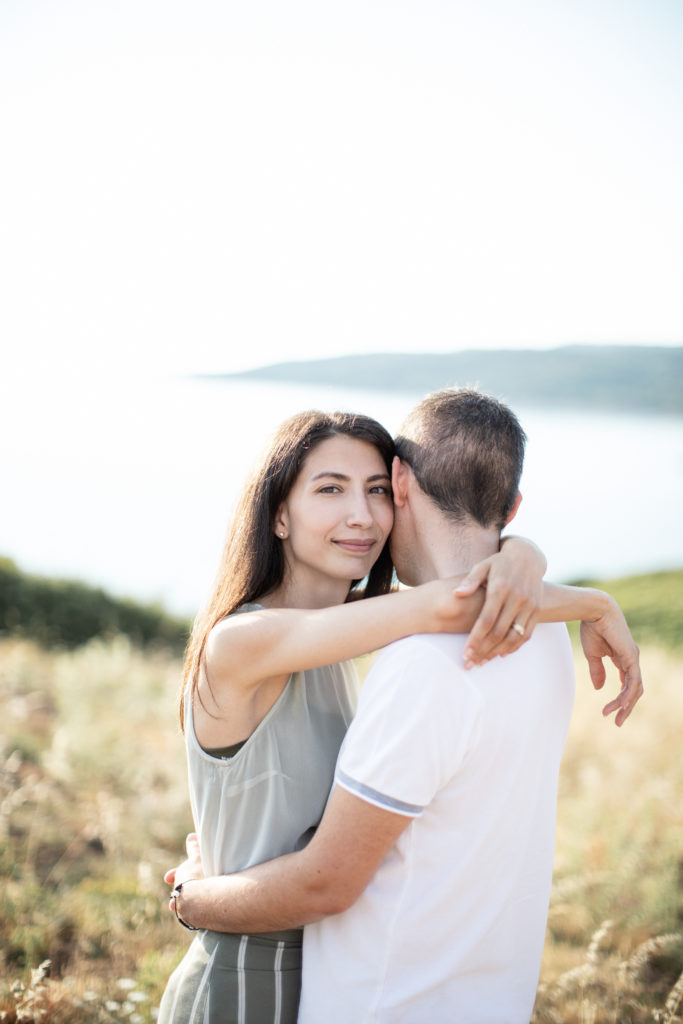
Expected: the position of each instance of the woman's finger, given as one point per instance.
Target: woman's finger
(514, 639)
(479, 642)
(475, 578)
(492, 626)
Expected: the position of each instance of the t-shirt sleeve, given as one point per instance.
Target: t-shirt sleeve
(416, 718)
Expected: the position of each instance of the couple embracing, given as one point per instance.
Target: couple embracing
(413, 835)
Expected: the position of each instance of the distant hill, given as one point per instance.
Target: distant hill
(607, 377)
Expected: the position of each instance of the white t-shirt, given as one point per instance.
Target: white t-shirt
(451, 928)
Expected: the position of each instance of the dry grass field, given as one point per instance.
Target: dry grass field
(93, 808)
(614, 946)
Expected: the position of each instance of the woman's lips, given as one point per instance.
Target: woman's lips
(356, 547)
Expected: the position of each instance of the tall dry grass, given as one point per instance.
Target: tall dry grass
(93, 809)
(614, 946)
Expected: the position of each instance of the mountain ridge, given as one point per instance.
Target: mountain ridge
(610, 377)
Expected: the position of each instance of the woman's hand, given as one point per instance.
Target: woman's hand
(609, 636)
(513, 580)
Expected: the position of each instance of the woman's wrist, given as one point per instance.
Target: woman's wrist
(527, 549)
(567, 604)
(604, 603)
(593, 604)
(429, 614)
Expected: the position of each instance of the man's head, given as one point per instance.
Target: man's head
(466, 451)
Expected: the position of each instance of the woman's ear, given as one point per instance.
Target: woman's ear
(281, 524)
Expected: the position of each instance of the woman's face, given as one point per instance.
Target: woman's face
(338, 514)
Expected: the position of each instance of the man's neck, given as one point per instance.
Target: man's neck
(452, 550)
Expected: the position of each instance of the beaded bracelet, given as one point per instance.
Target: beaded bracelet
(174, 896)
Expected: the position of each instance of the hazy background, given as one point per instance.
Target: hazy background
(132, 487)
(218, 186)
(210, 186)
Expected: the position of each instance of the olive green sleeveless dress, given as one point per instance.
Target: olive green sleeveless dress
(264, 801)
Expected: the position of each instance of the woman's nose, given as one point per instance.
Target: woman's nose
(359, 513)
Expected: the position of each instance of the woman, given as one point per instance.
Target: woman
(263, 723)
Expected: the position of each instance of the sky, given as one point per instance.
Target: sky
(213, 186)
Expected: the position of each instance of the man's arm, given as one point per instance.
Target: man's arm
(355, 835)
(325, 878)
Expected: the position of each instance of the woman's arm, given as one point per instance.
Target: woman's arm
(604, 633)
(247, 649)
(512, 585)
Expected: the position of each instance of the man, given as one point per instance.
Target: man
(426, 885)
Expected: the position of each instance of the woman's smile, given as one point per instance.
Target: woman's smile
(356, 547)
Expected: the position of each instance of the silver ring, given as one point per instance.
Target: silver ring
(518, 628)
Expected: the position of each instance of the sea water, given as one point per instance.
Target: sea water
(129, 484)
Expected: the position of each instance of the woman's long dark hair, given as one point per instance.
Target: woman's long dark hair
(253, 561)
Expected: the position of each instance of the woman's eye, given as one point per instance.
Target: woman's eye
(379, 489)
(330, 489)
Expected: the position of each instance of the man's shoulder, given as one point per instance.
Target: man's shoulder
(437, 645)
(434, 651)
(430, 660)
(550, 637)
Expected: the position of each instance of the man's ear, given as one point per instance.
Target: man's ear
(513, 511)
(400, 472)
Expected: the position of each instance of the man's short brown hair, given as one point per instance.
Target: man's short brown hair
(466, 450)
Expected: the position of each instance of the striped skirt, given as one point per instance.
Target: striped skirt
(236, 979)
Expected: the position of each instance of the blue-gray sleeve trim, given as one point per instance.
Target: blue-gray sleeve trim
(372, 796)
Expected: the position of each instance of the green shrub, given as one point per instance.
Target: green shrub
(69, 613)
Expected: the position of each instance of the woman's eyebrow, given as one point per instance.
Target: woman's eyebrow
(343, 476)
(330, 472)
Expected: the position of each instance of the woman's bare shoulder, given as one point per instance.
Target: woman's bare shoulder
(235, 644)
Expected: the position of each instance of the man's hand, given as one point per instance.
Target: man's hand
(189, 869)
(609, 636)
(324, 878)
(513, 579)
